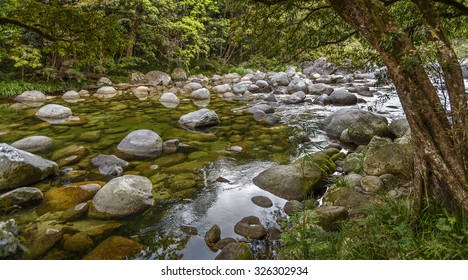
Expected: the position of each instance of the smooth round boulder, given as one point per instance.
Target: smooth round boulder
(109, 164)
(297, 84)
(142, 143)
(280, 79)
(78, 243)
(200, 94)
(71, 95)
(106, 92)
(158, 78)
(221, 89)
(141, 92)
(122, 197)
(293, 207)
(31, 96)
(33, 144)
(342, 98)
(319, 89)
(115, 248)
(169, 97)
(201, 118)
(54, 111)
(368, 126)
(241, 87)
(371, 183)
(262, 201)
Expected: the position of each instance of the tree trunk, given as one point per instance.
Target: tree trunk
(438, 170)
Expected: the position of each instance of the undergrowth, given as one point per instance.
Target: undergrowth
(15, 87)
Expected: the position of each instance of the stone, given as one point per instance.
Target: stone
(221, 89)
(200, 94)
(223, 242)
(189, 230)
(354, 180)
(83, 93)
(293, 207)
(188, 88)
(354, 201)
(179, 74)
(109, 164)
(212, 236)
(171, 146)
(280, 78)
(96, 229)
(104, 81)
(261, 107)
(122, 196)
(297, 180)
(137, 78)
(297, 84)
(71, 95)
(322, 100)
(157, 78)
(241, 87)
(342, 119)
(235, 251)
(342, 98)
(79, 243)
(90, 136)
(54, 111)
(369, 125)
(39, 242)
(319, 89)
(72, 150)
(20, 198)
(33, 144)
(106, 92)
(328, 216)
(371, 183)
(386, 157)
(75, 212)
(389, 181)
(262, 201)
(141, 92)
(63, 198)
(228, 96)
(9, 241)
(200, 118)
(169, 97)
(115, 248)
(251, 228)
(319, 66)
(273, 234)
(19, 168)
(142, 143)
(399, 127)
(295, 98)
(31, 96)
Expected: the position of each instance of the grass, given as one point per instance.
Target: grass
(16, 87)
(388, 232)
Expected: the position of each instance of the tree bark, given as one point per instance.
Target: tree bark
(436, 170)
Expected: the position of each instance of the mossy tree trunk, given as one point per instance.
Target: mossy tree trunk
(439, 138)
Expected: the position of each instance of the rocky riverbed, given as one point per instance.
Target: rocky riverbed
(193, 167)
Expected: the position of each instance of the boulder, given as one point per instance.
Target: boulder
(142, 143)
(369, 125)
(251, 228)
(399, 127)
(323, 100)
(137, 78)
(223, 242)
(75, 212)
(106, 92)
(328, 216)
(386, 157)
(295, 98)
(297, 180)
(342, 97)
(188, 88)
(54, 111)
(293, 207)
(31, 96)
(200, 118)
(79, 243)
(169, 97)
(241, 87)
(122, 196)
(72, 150)
(319, 89)
(9, 241)
(297, 84)
(280, 79)
(261, 107)
(19, 168)
(371, 183)
(20, 198)
(171, 146)
(141, 92)
(71, 95)
(33, 144)
(212, 236)
(262, 201)
(157, 78)
(235, 251)
(179, 74)
(200, 94)
(115, 248)
(342, 119)
(221, 89)
(104, 81)
(319, 66)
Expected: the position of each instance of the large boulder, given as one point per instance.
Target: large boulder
(342, 97)
(54, 111)
(212, 236)
(295, 98)
(169, 97)
(221, 89)
(179, 74)
(241, 87)
(122, 196)
(280, 79)
(297, 180)
(328, 217)
(319, 89)
(158, 78)
(106, 92)
(368, 126)
(250, 227)
(31, 96)
(142, 143)
(71, 96)
(297, 84)
(399, 127)
(33, 144)
(386, 157)
(19, 168)
(200, 94)
(104, 81)
(342, 119)
(200, 118)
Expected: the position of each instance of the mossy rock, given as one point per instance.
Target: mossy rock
(235, 251)
(169, 160)
(72, 150)
(197, 155)
(90, 136)
(339, 156)
(78, 243)
(161, 194)
(186, 167)
(188, 193)
(94, 228)
(115, 248)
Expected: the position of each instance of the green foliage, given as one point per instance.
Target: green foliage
(12, 88)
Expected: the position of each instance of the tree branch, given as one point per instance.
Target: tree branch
(9, 21)
(461, 8)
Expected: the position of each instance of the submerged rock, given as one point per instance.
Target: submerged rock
(19, 168)
(122, 196)
(109, 164)
(79, 243)
(33, 144)
(235, 251)
(143, 143)
(212, 236)
(262, 201)
(20, 198)
(115, 248)
(250, 227)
